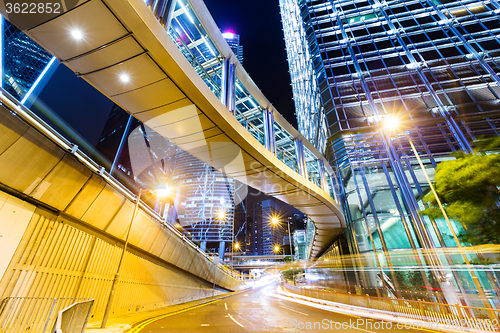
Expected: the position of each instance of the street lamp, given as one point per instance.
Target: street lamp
(392, 124)
(163, 193)
(275, 222)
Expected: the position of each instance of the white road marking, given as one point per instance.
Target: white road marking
(284, 307)
(318, 306)
(234, 320)
(225, 304)
(203, 325)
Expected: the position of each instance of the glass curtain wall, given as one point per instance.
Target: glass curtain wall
(433, 63)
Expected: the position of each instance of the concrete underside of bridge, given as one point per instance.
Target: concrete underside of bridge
(168, 95)
(63, 229)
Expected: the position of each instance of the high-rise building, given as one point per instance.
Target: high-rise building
(202, 198)
(272, 235)
(432, 63)
(23, 60)
(233, 40)
(207, 203)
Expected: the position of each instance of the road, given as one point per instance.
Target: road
(258, 311)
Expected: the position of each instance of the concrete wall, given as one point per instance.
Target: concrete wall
(63, 227)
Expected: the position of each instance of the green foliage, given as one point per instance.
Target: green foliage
(413, 280)
(290, 273)
(468, 188)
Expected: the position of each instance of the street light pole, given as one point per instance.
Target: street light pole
(290, 241)
(115, 280)
(232, 246)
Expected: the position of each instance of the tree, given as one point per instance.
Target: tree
(469, 189)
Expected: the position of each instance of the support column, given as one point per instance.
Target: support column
(231, 89)
(122, 143)
(203, 246)
(333, 181)
(224, 81)
(270, 136)
(228, 85)
(162, 10)
(301, 164)
(322, 176)
(222, 250)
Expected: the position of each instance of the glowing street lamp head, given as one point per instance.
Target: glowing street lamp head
(274, 220)
(77, 34)
(276, 248)
(391, 123)
(237, 246)
(221, 215)
(163, 192)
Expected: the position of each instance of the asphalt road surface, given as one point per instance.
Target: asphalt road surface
(256, 311)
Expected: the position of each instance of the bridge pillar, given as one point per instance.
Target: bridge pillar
(222, 250)
(270, 136)
(301, 162)
(322, 176)
(228, 84)
(162, 10)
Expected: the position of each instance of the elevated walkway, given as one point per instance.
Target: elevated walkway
(193, 91)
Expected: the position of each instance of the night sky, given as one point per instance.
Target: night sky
(258, 23)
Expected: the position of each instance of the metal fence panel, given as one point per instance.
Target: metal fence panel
(31, 314)
(74, 318)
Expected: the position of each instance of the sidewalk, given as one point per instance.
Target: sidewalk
(124, 323)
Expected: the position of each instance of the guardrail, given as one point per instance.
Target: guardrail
(32, 314)
(36, 122)
(74, 318)
(456, 315)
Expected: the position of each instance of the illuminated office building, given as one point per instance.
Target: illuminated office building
(206, 201)
(434, 64)
(272, 235)
(233, 40)
(23, 60)
(201, 199)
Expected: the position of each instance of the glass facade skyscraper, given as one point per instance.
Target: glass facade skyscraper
(206, 200)
(23, 60)
(434, 64)
(233, 40)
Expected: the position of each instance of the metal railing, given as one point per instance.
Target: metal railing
(32, 314)
(74, 318)
(453, 315)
